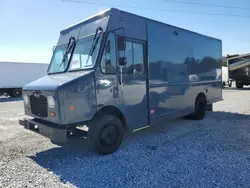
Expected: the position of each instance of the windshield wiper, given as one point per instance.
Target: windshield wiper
(68, 49)
(95, 41)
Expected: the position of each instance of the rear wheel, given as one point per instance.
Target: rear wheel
(105, 134)
(200, 109)
(16, 93)
(239, 85)
(223, 84)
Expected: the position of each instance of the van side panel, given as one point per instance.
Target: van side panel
(182, 64)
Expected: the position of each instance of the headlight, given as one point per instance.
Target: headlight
(26, 99)
(51, 101)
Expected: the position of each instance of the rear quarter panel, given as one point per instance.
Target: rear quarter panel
(182, 64)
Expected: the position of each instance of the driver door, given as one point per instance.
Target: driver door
(134, 83)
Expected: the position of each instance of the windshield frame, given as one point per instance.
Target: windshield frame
(102, 38)
(58, 72)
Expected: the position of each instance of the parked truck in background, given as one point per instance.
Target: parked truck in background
(14, 75)
(117, 72)
(239, 70)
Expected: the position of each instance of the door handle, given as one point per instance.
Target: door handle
(120, 79)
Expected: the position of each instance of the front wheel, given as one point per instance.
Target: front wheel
(105, 134)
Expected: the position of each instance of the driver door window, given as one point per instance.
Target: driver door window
(135, 58)
(108, 62)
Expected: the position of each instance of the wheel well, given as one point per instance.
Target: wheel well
(114, 111)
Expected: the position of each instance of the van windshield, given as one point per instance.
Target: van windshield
(79, 56)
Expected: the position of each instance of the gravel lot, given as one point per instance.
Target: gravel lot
(214, 152)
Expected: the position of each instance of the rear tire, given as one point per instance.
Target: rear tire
(239, 85)
(105, 134)
(16, 93)
(223, 85)
(200, 109)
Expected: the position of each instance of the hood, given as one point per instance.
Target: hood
(51, 82)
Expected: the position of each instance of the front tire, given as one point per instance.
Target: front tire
(105, 134)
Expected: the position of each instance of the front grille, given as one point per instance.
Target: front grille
(39, 106)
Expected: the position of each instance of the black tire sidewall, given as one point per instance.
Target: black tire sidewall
(239, 85)
(13, 93)
(200, 109)
(94, 133)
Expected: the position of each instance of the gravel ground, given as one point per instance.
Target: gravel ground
(214, 152)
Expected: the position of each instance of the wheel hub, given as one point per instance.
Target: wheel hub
(109, 135)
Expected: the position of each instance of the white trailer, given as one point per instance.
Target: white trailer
(14, 75)
(225, 77)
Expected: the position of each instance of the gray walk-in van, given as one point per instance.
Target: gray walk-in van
(117, 72)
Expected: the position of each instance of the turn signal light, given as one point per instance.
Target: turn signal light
(72, 107)
(53, 114)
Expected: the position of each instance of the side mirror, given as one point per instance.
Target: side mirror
(121, 43)
(122, 61)
(53, 49)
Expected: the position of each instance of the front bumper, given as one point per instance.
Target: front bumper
(48, 130)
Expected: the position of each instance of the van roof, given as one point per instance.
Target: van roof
(93, 17)
(111, 10)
